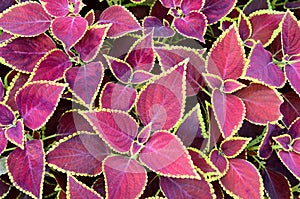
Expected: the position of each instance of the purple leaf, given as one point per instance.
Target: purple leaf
(284, 141)
(231, 86)
(117, 96)
(290, 34)
(58, 8)
(5, 37)
(23, 54)
(116, 128)
(170, 3)
(4, 4)
(296, 145)
(69, 30)
(2, 90)
(124, 177)
(144, 134)
(122, 20)
(7, 116)
(4, 189)
(90, 17)
(187, 6)
(85, 81)
(15, 134)
(140, 76)
(192, 25)
(290, 108)
(292, 5)
(213, 81)
(220, 162)
(292, 72)
(81, 154)
(245, 28)
(294, 129)
(234, 146)
(121, 69)
(291, 160)
(255, 5)
(22, 19)
(36, 102)
(159, 30)
(3, 142)
(26, 168)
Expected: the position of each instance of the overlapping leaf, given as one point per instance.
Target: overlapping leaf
(7, 116)
(219, 161)
(231, 86)
(159, 29)
(15, 134)
(121, 69)
(234, 146)
(58, 8)
(4, 189)
(3, 141)
(290, 108)
(170, 3)
(292, 72)
(291, 160)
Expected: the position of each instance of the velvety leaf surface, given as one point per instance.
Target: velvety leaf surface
(242, 180)
(291, 160)
(219, 161)
(121, 19)
(121, 70)
(244, 25)
(262, 103)
(186, 188)
(161, 102)
(90, 17)
(117, 128)
(117, 96)
(15, 134)
(290, 108)
(80, 154)
(7, 116)
(213, 81)
(3, 142)
(159, 30)
(229, 111)
(26, 168)
(36, 102)
(24, 53)
(292, 72)
(170, 3)
(124, 177)
(4, 4)
(69, 30)
(234, 146)
(76, 189)
(52, 67)
(58, 8)
(226, 57)
(23, 19)
(165, 154)
(4, 188)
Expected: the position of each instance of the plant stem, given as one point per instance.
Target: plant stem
(49, 137)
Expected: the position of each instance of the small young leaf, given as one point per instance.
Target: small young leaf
(2, 90)
(15, 134)
(3, 141)
(7, 116)
(284, 141)
(245, 28)
(234, 146)
(58, 8)
(90, 17)
(121, 69)
(231, 86)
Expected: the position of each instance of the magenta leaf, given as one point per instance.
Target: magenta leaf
(292, 72)
(26, 168)
(262, 68)
(116, 128)
(229, 111)
(141, 55)
(117, 96)
(231, 85)
(144, 134)
(188, 6)
(90, 44)
(121, 69)
(291, 160)
(58, 8)
(214, 10)
(262, 103)
(122, 20)
(124, 177)
(192, 25)
(161, 102)
(284, 141)
(234, 146)
(290, 108)
(76, 6)
(239, 176)
(3, 142)
(7, 116)
(227, 57)
(219, 161)
(165, 154)
(4, 189)
(69, 30)
(2, 90)
(294, 129)
(22, 19)
(186, 188)
(76, 189)
(170, 3)
(296, 145)
(52, 67)
(159, 30)
(36, 102)
(23, 54)
(5, 37)
(140, 76)
(213, 81)
(15, 134)
(81, 154)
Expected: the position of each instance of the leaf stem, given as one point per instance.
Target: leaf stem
(49, 137)
(9, 149)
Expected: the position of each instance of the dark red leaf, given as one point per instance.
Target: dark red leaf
(290, 108)
(219, 161)
(121, 69)
(15, 134)
(292, 72)
(58, 8)
(7, 116)
(4, 189)
(255, 5)
(234, 146)
(214, 10)
(245, 28)
(3, 143)
(90, 17)
(159, 30)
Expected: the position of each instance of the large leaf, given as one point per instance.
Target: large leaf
(80, 154)
(121, 19)
(291, 160)
(117, 128)
(161, 102)
(36, 102)
(58, 8)
(292, 72)
(7, 116)
(22, 19)
(165, 154)
(26, 168)
(227, 57)
(124, 177)
(262, 103)
(242, 180)
(186, 188)
(23, 54)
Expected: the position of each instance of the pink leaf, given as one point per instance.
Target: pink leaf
(231, 86)
(213, 81)
(7, 116)
(15, 134)
(170, 3)
(57, 8)
(291, 160)
(234, 146)
(188, 6)
(219, 161)
(3, 142)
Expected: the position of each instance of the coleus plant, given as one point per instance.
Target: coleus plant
(107, 103)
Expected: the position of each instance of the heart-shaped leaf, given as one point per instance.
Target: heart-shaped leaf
(15, 134)
(234, 146)
(292, 72)
(124, 177)
(36, 102)
(159, 30)
(22, 19)
(165, 154)
(188, 6)
(80, 154)
(291, 160)
(7, 116)
(69, 30)
(3, 141)
(59, 8)
(26, 168)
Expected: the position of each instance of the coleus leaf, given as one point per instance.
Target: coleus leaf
(296, 145)
(22, 19)
(231, 85)
(3, 141)
(90, 44)
(214, 10)
(122, 20)
(213, 81)
(76, 189)
(294, 129)
(4, 189)
(69, 30)
(15, 134)
(90, 17)
(2, 90)
(26, 168)
(290, 108)
(58, 8)
(262, 103)
(227, 57)
(80, 154)
(117, 128)
(292, 72)
(188, 6)
(284, 141)
(170, 3)
(262, 68)
(161, 101)
(117, 96)
(23, 54)
(52, 66)
(245, 28)
(165, 154)
(229, 111)
(234, 146)
(5, 38)
(255, 5)
(124, 177)
(121, 69)
(239, 176)
(140, 76)
(186, 188)
(7, 116)
(36, 102)
(291, 161)
(192, 25)
(4, 4)
(159, 30)
(76, 6)
(219, 161)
